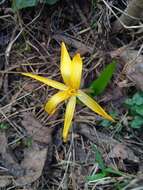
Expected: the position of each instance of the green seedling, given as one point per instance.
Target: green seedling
(135, 107)
(106, 123)
(104, 171)
(20, 4)
(4, 126)
(28, 142)
(99, 85)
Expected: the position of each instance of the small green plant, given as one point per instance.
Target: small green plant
(135, 106)
(94, 4)
(28, 142)
(106, 123)
(20, 4)
(99, 85)
(103, 170)
(4, 126)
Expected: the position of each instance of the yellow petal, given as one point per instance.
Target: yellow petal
(76, 71)
(65, 64)
(68, 116)
(51, 105)
(47, 81)
(93, 105)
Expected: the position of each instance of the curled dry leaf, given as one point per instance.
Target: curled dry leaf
(107, 144)
(30, 86)
(35, 156)
(35, 129)
(131, 57)
(99, 138)
(121, 153)
(135, 74)
(133, 65)
(34, 160)
(7, 159)
(4, 181)
(3, 145)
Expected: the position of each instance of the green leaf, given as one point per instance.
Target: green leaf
(99, 85)
(20, 4)
(28, 142)
(98, 158)
(137, 122)
(139, 110)
(105, 123)
(95, 177)
(113, 171)
(138, 99)
(129, 102)
(50, 2)
(4, 126)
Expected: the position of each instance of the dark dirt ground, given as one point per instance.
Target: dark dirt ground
(32, 154)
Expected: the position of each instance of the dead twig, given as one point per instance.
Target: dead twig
(120, 21)
(81, 48)
(130, 16)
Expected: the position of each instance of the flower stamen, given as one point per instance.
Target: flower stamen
(72, 92)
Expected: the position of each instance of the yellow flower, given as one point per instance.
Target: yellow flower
(71, 71)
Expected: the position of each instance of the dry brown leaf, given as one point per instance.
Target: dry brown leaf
(135, 74)
(34, 157)
(4, 181)
(96, 137)
(121, 153)
(34, 160)
(1, 80)
(118, 52)
(7, 158)
(133, 65)
(107, 144)
(30, 86)
(128, 56)
(35, 129)
(3, 145)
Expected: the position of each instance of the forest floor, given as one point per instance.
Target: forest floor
(98, 154)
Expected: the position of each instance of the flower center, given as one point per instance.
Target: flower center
(72, 91)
